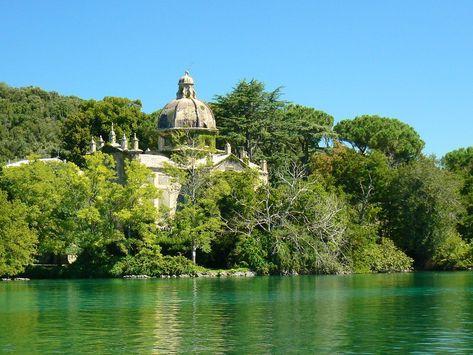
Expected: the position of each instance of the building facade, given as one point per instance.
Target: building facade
(185, 123)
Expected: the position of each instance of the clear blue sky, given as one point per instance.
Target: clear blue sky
(412, 60)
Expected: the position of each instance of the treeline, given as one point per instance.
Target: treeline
(35, 121)
(31, 121)
(358, 196)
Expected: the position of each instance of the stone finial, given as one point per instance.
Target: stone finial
(112, 137)
(93, 145)
(135, 142)
(124, 142)
(228, 148)
(101, 142)
(264, 166)
(244, 154)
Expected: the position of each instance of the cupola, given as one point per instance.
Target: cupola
(185, 113)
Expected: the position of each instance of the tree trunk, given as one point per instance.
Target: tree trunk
(194, 252)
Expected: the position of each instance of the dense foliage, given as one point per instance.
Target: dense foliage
(52, 192)
(245, 116)
(17, 240)
(94, 119)
(460, 163)
(397, 140)
(265, 127)
(31, 121)
(357, 197)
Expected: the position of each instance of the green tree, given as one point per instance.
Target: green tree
(137, 214)
(195, 226)
(422, 212)
(305, 128)
(97, 221)
(118, 220)
(197, 219)
(244, 116)
(17, 240)
(95, 119)
(238, 192)
(364, 179)
(399, 141)
(460, 162)
(53, 192)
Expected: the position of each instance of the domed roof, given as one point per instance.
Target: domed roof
(186, 111)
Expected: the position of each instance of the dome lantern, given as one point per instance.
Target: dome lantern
(186, 87)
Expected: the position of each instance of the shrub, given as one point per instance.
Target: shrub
(383, 256)
(150, 262)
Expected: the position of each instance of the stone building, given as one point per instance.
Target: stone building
(184, 123)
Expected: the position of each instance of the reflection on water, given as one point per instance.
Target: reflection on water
(419, 312)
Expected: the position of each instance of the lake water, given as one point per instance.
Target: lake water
(418, 312)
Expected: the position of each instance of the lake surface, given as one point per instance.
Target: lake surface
(418, 312)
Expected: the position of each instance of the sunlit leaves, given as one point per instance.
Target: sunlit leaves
(17, 240)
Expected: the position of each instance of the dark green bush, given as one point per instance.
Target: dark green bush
(150, 262)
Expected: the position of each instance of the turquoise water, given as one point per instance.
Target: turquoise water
(418, 312)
